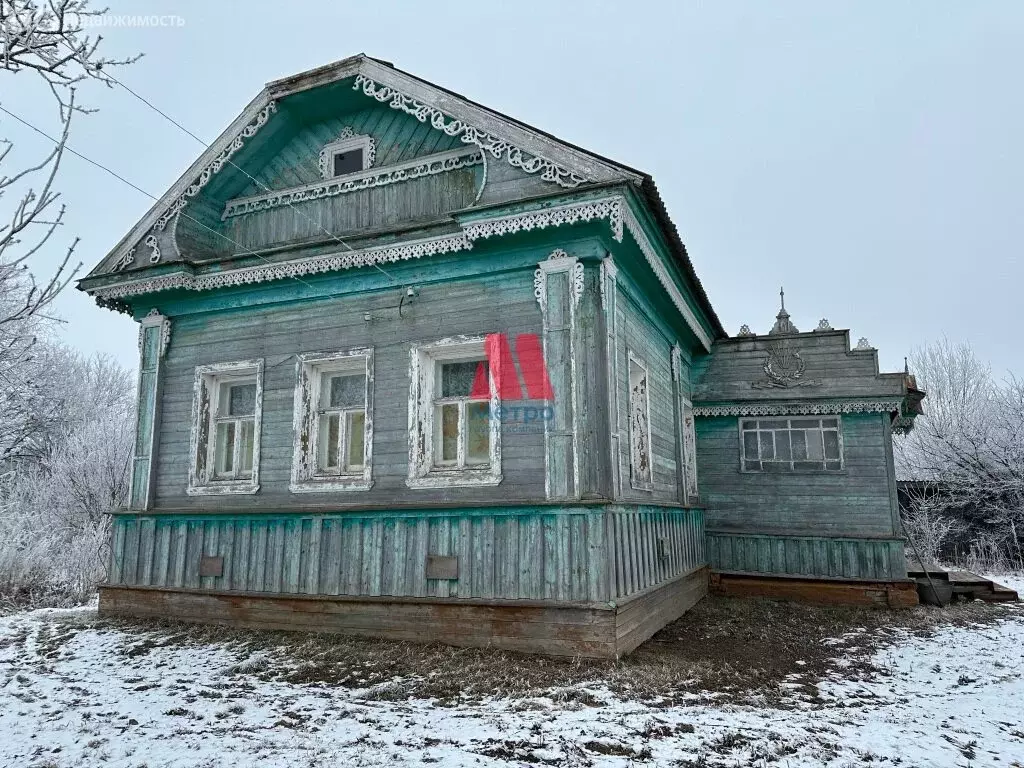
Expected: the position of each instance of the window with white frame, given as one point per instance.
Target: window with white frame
(639, 425)
(333, 422)
(225, 438)
(791, 444)
(349, 154)
(455, 441)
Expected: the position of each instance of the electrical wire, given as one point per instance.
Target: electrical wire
(137, 188)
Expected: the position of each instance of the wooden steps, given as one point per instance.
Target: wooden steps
(965, 585)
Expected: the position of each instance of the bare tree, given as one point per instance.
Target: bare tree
(969, 450)
(48, 41)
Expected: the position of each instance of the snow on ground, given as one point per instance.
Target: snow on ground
(75, 691)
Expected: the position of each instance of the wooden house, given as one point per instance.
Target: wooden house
(412, 368)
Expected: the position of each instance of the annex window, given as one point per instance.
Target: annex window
(349, 154)
(227, 405)
(334, 422)
(639, 425)
(455, 440)
(792, 444)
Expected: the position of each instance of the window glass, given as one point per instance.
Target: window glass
(345, 391)
(783, 445)
(478, 433)
(237, 399)
(449, 433)
(356, 440)
(349, 161)
(457, 379)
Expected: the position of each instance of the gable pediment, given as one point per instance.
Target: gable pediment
(274, 158)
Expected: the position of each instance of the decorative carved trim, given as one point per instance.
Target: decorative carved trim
(577, 283)
(155, 318)
(442, 162)
(514, 156)
(863, 345)
(784, 368)
(287, 269)
(745, 331)
(609, 208)
(126, 261)
(608, 272)
(348, 139)
(221, 160)
(154, 247)
(202, 179)
(826, 407)
(614, 209)
(677, 362)
(558, 261)
(540, 288)
(823, 325)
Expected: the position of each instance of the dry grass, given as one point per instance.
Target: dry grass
(737, 649)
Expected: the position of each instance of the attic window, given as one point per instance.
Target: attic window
(348, 162)
(347, 154)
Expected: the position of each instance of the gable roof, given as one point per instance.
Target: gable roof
(522, 145)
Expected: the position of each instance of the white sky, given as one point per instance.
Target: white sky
(866, 155)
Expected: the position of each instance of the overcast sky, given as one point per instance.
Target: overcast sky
(867, 156)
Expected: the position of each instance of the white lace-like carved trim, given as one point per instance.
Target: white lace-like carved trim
(430, 165)
(196, 186)
(800, 409)
(607, 208)
(288, 269)
(614, 209)
(514, 156)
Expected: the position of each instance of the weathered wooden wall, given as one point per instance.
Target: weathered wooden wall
(565, 554)
(500, 303)
(809, 556)
(637, 332)
(851, 502)
(833, 370)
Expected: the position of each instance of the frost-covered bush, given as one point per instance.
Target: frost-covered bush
(53, 523)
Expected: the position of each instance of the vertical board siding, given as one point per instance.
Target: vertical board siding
(639, 561)
(808, 556)
(567, 555)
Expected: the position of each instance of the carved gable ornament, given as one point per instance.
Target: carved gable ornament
(784, 368)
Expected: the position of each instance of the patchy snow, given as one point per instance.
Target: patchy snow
(76, 692)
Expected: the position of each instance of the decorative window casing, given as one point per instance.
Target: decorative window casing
(348, 154)
(227, 411)
(640, 469)
(796, 444)
(333, 422)
(454, 440)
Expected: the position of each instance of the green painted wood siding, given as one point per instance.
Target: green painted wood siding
(852, 502)
(496, 303)
(423, 199)
(636, 332)
(810, 556)
(572, 554)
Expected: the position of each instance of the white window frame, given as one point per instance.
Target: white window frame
(364, 142)
(310, 371)
(202, 439)
(792, 470)
(423, 377)
(636, 481)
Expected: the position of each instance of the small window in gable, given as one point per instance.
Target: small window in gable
(350, 153)
(333, 422)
